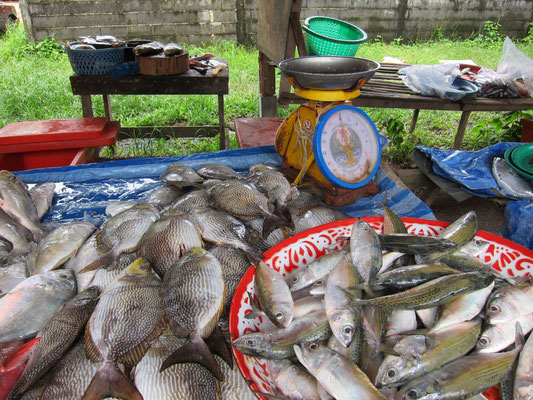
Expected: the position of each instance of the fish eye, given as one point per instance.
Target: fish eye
(412, 394)
(494, 308)
(278, 315)
(347, 329)
(320, 282)
(391, 373)
(295, 279)
(313, 346)
(484, 341)
(250, 342)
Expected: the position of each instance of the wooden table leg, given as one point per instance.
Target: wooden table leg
(221, 129)
(414, 120)
(86, 106)
(107, 107)
(268, 106)
(458, 141)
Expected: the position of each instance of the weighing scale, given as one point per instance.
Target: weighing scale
(328, 140)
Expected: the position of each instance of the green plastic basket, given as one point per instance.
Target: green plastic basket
(326, 36)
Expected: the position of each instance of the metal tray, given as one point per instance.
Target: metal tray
(328, 72)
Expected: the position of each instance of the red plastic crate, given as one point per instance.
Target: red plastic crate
(54, 143)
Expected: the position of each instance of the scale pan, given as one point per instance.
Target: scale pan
(328, 72)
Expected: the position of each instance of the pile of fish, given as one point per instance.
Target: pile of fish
(394, 316)
(138, 307)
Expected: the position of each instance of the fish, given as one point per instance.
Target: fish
(495, 338)
(415, 244)
(318, 215)
(122, 234)
(392, 223)
(165, 241)
(69, 377)
(275, 185)
(420, 354)
(181, 176)
(217, 171)
(278, 343)
(234, 265)
(253, 229)
(304, 200)
(353, 351)
(57, 337)
(163, 196)
(463, 377)
(11, 276)
(341, 378)
(17, 235)
(463, 308)
(366, 253)
(511, 184)
(221, 228)
(5, 250)
(12, 368)
(523, 378)
(58, 246)
(245, 202)
(234, 386)
(432, 293)
(401, 321)
(116, 207)
(509, 302)
(292, 381)
(316, 270)
(15, 200)
(274, 295)
(189, 201)
(127, 318)
(344, 319)
(102, 277)
(410, 276)
(180, 381)
(27, 308)
(191, 313)
(42, 196)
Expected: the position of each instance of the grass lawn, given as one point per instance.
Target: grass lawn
(35, 85)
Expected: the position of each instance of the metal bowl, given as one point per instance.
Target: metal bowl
(328, 72)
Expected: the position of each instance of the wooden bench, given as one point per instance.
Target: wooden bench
(187, 83)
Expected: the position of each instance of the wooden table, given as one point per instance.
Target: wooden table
(387, 90)
(187, 83)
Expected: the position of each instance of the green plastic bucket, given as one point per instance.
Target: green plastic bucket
(326, 36)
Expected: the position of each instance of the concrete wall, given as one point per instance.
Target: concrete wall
(202, 21)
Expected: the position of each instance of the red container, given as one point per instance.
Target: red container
(527, 130)
(54, 143)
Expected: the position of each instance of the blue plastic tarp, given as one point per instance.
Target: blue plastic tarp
(83, 192)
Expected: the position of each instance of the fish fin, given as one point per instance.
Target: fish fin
(285, 213)
(355, 301)
(256, 308)
(273, 222)
(218, 345)
(20, 355)
(106, 259)
(133, 356)
(109, 381)
(253, 255)
(194, 351)
(91, 351)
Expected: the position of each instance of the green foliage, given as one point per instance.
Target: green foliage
(15, 46)
(437, 35)
(505, 127)
(400, 144)
(529, 36)
(490, 35)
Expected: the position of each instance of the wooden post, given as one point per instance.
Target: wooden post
(267, 87)
(461, 130)
(414, 120)
(107, 107)
(221, 128)
(86, 105)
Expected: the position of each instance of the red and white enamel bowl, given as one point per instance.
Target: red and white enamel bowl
(299, 250)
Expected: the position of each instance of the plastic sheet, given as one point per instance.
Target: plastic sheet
(83, 192)
(518, 220)
(472, 170)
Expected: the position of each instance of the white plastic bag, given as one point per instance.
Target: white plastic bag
(516, 65)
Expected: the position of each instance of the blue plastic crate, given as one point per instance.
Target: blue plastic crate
(95, 62)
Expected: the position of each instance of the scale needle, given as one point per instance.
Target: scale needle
(349, 151)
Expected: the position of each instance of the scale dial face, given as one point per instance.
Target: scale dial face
(346, 146)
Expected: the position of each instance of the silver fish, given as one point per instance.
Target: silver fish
(16, 234)
(181, 176)
(29, 306)
(293, 381)
(11, 275)
(341, 378)
(272, 182)
(366, 252)
(116, 207)
(58, 246)
(42, 196)
(189, 201)
(511, 184)
(164, 196)
(234, 386)
(315, 270)
(509, 302)
(495, 338)
(15, 200)
(316, 216)
(523, 381)
(217, 171)
(166, 240)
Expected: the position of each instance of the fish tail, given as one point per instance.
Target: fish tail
(355, 301)
(218, 345)
(109, 381)
(195, 351)
(105, 260)
(273, 222)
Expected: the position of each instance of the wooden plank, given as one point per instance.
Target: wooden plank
(273, 27)
(107, 107)
(86, 106)
(221, 127)
(267, 76)
(158, 132)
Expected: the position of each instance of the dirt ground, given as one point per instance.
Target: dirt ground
(489, 212)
